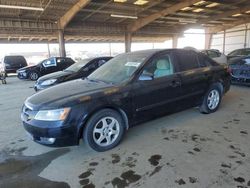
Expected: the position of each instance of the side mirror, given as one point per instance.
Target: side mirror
(146, 77)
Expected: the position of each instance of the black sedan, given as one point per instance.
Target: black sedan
(78, 70)
(129, 89)
(47, 66)
(240, 70)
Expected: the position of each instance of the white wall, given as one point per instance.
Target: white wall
(234, 39)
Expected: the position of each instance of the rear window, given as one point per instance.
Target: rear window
(187, 60)
(14, 60)
(206, 61)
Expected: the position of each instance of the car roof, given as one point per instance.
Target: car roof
(154, 51)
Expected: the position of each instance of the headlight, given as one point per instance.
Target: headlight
(48, 82)
(52, 115)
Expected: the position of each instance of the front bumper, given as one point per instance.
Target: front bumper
(240, 81)
(54, 137)
(51, 133)
(22, 75)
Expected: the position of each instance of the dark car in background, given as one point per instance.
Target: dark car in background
(129, 89)
(47, 66)
(11, 64)
(81, 69)
(239, 53)
(216, 55)
(240, 70)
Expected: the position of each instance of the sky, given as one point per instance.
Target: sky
(192, 37)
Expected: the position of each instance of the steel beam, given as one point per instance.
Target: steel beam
(67, 17)
(170, 10)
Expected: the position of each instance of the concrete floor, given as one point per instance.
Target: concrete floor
(186, 149)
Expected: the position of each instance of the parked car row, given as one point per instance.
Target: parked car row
(77, 70)
(238, 61)
(129, 89)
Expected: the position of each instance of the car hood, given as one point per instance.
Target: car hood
(27, 67)
(66, 94)
(55, 75)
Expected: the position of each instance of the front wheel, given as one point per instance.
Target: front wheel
(33, 75)
(104, 130)
(211, 100)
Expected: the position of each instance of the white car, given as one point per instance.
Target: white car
(216, 55)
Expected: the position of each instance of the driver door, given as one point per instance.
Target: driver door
(156, 96)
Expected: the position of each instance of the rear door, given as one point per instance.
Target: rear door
(63, 63)
(194, 74)
(156, 96)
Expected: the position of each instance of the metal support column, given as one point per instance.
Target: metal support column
(175, 41)
(224, 42)
(245, 39)
(208, 39)
(128, 41)
(49, 54)
(61, 43)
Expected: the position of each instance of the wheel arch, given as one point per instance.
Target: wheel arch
(115, 108)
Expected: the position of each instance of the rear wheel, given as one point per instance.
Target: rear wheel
(33, 75)
(211, 100)
(104, 130)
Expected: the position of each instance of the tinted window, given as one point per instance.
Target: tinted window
(235, 52)
(64, 62)
(240, 52)
(101, 62)
(15, 60)
(187, 60)
(50, 62)
(245, 52)
(206, 61)
(160, 67)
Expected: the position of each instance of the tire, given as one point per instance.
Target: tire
(97, 135)
(33, 75)
(211, 100)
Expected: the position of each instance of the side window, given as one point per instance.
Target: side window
(245, 52)
(159, 67)
(69, 61)
(235, 52)
(187, 60)
(50, 63)
(101, 62)
(93, 65)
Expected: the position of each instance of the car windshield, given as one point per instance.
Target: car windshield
(77, 66)
(120, 68)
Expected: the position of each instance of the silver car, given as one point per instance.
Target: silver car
(216, 55)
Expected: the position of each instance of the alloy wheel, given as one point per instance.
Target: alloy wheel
(106, 131)
(213, 99)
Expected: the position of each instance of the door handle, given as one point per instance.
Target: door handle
(175, 83)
